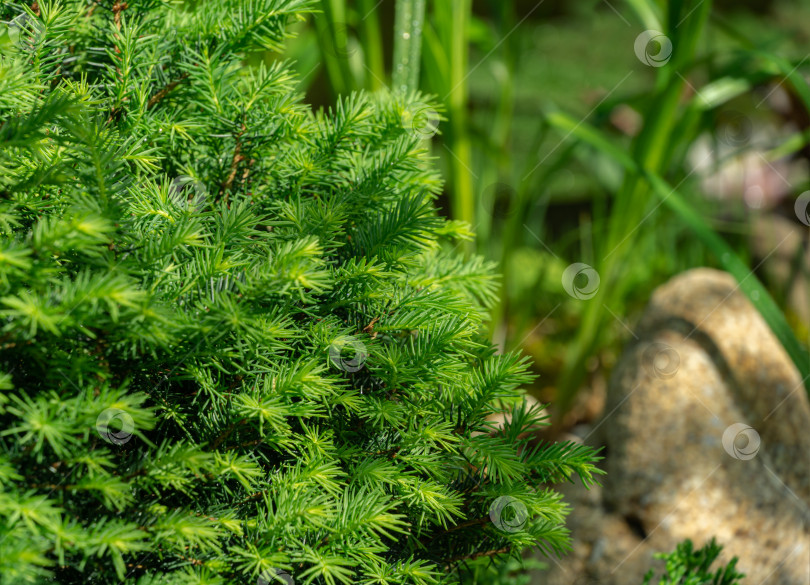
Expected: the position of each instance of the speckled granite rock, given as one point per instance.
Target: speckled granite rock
(706, 428)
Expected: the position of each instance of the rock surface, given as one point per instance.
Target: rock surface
(706, 434)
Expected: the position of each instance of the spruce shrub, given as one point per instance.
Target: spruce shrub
(238, 342)
(689, 566)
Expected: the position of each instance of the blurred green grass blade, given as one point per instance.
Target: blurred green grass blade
(371, 37)
(791, 145)
(791, 73)
(653, 148)
(451, 24)
(592, 136)
(435, 59)
(732, 263)
(729, 260)
(410, 19)
(721, 91)
(648, 13)
(330, 26)
(779, 64)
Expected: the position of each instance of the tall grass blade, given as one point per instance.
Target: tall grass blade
(749, 284)
(410, 20)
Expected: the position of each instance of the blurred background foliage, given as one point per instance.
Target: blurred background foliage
(551, 128)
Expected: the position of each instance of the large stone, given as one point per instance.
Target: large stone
(706, 434)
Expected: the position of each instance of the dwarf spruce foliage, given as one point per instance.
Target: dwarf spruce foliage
(237, 344)
(689, 566)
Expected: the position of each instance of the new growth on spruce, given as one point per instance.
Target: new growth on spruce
(237, 344)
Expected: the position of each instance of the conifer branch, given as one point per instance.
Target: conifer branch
(199, 387)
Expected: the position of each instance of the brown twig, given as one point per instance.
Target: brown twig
(237, 158)
(246, 173)
(226, 433)
(489, 553)
(255, 496)
(370, 327)
(467, 524)
(50, 486)
(247, 444)
(192, 560)
(117, 9)
(165, 91)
